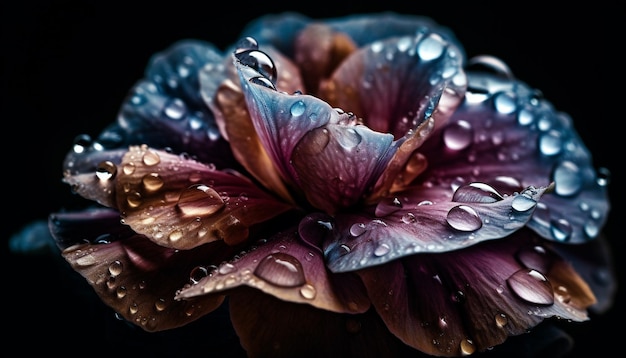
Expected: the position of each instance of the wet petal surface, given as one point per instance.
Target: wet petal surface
(180, 203)
(467, 301)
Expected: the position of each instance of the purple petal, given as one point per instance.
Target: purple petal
(180, 203)
(290, 269)
(409, 224)
(127, 270)
(506, 136)
(299, 129)
(166, 110)
(470, 300)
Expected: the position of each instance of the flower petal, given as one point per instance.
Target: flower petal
(166, 110)
(410, 224)
(473, 299)
(281, 30)
(180, 203)
(268, 327)
(301, 131)
(506, 136)
(227, 102)
(290, 269)
(132, 275)
(405, 86)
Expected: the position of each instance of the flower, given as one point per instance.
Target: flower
(349, 191)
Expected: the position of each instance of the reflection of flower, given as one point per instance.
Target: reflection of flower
(352, 185)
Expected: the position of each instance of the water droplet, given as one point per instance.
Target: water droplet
(382, 250)
(531, 286)
(175, 109)
(281, 269)
(534, 257)
(175, 235)
(458, 135)
(430, 48)
(591, 229)
(115, 268)
(151, 158)
(106, 170)
(198, 273)
(199, 200)
(246, 43)
(476, 193)
(81, 143)
(160, 304)
(297, 108)
(464, 218)
(522, 203)
(567, 179)
(603, 176)
(129, 168)
(152, 182)
(467, 347)
(504, 102)
(357, 229)
(501, 320)
(226, 268)
(551, 143)
(121, 292)
(259, 61)
(561, 229)
(308, 291)
(262, 81)
(409, 218)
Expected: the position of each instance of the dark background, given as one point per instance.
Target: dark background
(69, 64)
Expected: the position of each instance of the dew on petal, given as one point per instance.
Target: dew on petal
(260, 62)
(152, 182)
(551, 143)
(464, 218)
(560, 229)
(567, 178)
(504, 102)
(199, 200)
(308, 291)
(476, 193)
(531, 286)
(458, 135)
(522, 203)
(151, 158)
(501, 320)
(534, 257)
(382, 250)
(106, 170)
(246, 43)
(281, 269)
(115, 268)
(467, 347)
(431, 47)
(357, 229)
(349, 138)
(175, 109)
(297, 108)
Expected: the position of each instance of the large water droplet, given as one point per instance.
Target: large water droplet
(551, 143)
(476, 193)
(152, 182)
(430, 47)
(464, 218)
(297, 108)
(151, 158)
(246, 43)
(531, 286)
(115, 268)
(308, 291)
(198, 200)
(504, 102)
(534, 257)
(260, 62)
(382, 250)
(281, 269)
(458, 135)
(522, 203)
(567, 178)
(106, 170)
(467, 347)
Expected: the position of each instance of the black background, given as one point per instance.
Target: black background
(69, 64)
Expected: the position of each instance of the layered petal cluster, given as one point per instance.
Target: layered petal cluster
(355, 187)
